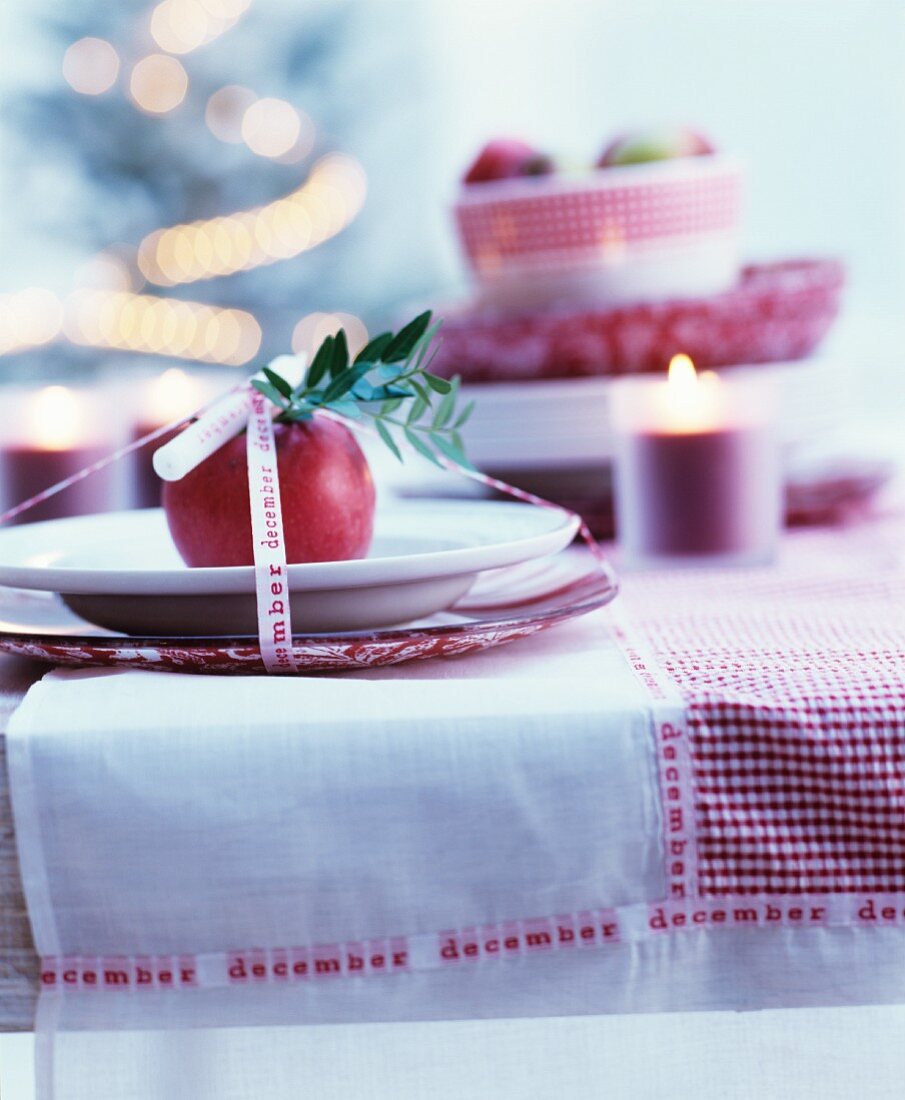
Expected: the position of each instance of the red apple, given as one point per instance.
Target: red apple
(507, 158)
(649, 145)
(325, 486)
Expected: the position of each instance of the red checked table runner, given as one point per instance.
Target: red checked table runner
(795, 710)
(693, 799)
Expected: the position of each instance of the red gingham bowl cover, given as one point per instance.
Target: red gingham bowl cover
(552, 220)
(777, 312)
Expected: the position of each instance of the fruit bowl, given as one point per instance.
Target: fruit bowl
(631, 233)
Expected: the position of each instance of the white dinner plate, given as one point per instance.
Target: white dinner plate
(121, 570)
(556, 423)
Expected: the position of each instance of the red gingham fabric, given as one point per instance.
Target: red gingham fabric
(794, 680)
(583, 219)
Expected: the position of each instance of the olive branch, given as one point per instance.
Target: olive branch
(387, 383)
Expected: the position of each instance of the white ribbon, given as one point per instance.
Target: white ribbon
(271, 570)
(218, 425)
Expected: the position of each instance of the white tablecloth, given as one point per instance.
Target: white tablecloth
(788, 1054)
(515, 795)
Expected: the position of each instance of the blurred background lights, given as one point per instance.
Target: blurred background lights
(163, 326)
(325, 204)
(311, 331)
(28, 318)
(271, 127)
(171, 395)
(226, 9)
(105, 307)
(105, 271)
(180, 26)
(91, 66)
(158, 83)
(225, 111)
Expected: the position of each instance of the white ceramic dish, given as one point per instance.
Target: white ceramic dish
(504, 606)
(122, 571)
(565, 422)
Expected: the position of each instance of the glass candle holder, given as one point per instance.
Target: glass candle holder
(48, 434)
(697, 467)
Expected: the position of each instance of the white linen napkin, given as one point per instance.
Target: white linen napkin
(163, 814)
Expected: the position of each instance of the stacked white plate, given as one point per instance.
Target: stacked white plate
(563, 423)
(120, 569)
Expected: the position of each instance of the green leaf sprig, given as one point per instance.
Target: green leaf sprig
(387, 383)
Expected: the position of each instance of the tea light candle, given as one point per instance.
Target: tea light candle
(49, 435)
(697, 467)
(168, 397)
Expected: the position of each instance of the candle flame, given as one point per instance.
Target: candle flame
(171, 395)
(682, 371)
(692, 400)
(53, 418)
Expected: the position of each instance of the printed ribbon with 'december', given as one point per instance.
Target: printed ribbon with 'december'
(212, 426)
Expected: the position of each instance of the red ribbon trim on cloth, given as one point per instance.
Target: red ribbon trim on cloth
(669, 729)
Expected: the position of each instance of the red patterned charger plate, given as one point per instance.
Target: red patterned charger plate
(776, 312)
(504, 606)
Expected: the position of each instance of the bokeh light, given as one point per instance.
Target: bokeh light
(180, 26)
(162, 326)
(91, 66)
(105, 271)
(28, 318)
(158, 84)
(225, 110)
(171, 395)
(226, 9)
(312, 330)
(272, 127)
(324, 205)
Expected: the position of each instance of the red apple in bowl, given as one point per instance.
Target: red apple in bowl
(326, 490)
(507, 158)
(651, 145)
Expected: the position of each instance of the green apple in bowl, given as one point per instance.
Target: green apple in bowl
(645, 146)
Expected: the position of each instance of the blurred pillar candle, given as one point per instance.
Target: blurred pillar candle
(161, 400)
(697, 467)
(47, 435)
